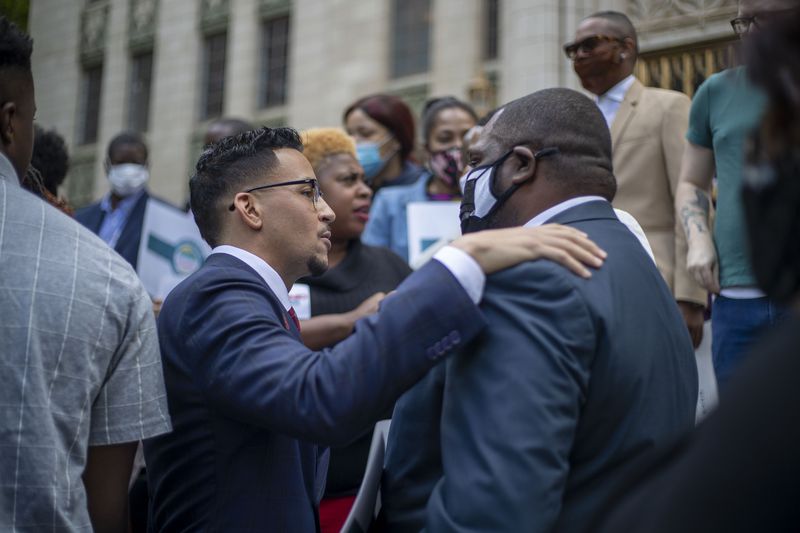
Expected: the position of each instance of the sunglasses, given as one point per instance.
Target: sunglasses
(314, 193)
(587, 45)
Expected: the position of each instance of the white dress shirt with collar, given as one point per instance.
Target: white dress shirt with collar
(609, 101)
(463, 267)
(623, 216)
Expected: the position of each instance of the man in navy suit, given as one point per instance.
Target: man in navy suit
(252, 407)
(572, 377)
(118, 217)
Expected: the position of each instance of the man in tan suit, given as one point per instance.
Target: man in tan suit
(647, 131)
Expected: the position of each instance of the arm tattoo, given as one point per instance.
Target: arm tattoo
(694, 214)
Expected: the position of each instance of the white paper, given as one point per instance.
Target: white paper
(300, 299)
(171, 248)
(431, 225)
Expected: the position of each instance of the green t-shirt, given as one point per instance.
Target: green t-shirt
(725, 110)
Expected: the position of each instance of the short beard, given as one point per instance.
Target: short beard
(317, 266)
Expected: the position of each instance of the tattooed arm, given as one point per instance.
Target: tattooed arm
(692, 205)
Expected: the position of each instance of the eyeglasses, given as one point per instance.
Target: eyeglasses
(741, 25)
(587, 45)
(314, 194)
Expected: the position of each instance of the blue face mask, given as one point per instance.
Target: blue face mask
(370, 159)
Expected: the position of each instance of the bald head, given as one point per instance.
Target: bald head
(571, 122)
(617, 24)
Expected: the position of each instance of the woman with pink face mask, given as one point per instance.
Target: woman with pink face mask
(445, 122)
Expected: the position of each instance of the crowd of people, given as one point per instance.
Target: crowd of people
(539, 370)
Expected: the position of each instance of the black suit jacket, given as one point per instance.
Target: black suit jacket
(252, 408)
(127, 245)
(573, 378)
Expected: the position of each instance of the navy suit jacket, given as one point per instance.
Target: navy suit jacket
(252, 407)
(571, 379)
(127, 245)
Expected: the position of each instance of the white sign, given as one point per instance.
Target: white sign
(171, 248)
(431, 225)
(300, 300)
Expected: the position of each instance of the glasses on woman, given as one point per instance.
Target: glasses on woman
(587, 45)
(314, 193)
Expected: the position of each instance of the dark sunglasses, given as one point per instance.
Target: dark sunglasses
(587, 45)
(316, 194)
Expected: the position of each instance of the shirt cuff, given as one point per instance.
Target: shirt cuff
(465, 269)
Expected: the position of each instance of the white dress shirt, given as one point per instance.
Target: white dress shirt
(623, 216)
(463, 267)
(609, 101)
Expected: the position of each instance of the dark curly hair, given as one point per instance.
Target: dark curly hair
(227, 167)
(50, 158)
(15, 47)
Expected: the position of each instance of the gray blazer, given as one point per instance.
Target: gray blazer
(571, 380)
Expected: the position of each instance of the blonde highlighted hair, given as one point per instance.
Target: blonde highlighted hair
(319, 143)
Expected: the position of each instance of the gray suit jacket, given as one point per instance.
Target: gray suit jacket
(571, 379)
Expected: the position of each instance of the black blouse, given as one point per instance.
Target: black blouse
(364, 271)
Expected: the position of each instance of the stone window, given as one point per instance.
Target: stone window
(90, 106)
(685, 68)
(141, 82)
(491, 29)
(411, 32)
(213, 75)
(274, 61)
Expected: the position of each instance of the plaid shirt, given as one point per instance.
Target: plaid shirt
(80, 360)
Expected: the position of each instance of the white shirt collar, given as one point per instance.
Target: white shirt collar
(618, 91)
(610, 101)
(7, 171)
(547, 214)
(270, 276)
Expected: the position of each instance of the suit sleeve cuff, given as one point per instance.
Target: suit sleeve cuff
(465, 269)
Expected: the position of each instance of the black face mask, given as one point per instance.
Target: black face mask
(771, 199)
(480, 204)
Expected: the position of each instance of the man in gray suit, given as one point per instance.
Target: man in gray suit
(573, 377)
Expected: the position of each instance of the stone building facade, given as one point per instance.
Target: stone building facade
(168, 67)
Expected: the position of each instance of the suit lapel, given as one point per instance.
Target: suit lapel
(626, 111)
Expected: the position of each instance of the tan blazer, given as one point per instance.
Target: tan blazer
(647, 136)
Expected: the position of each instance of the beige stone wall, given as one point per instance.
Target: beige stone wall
(175, 101)
(339, 50)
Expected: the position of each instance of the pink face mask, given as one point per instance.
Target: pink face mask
(447, 165)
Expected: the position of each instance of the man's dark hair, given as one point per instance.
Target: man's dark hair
(434, 106)
(126, 137)
(571, 122)
(621, 23)
(50, 158)
(228, 167)
(15, 47)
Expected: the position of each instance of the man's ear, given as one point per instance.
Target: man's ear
(7, 113)
(248, 210)
(524, 165)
